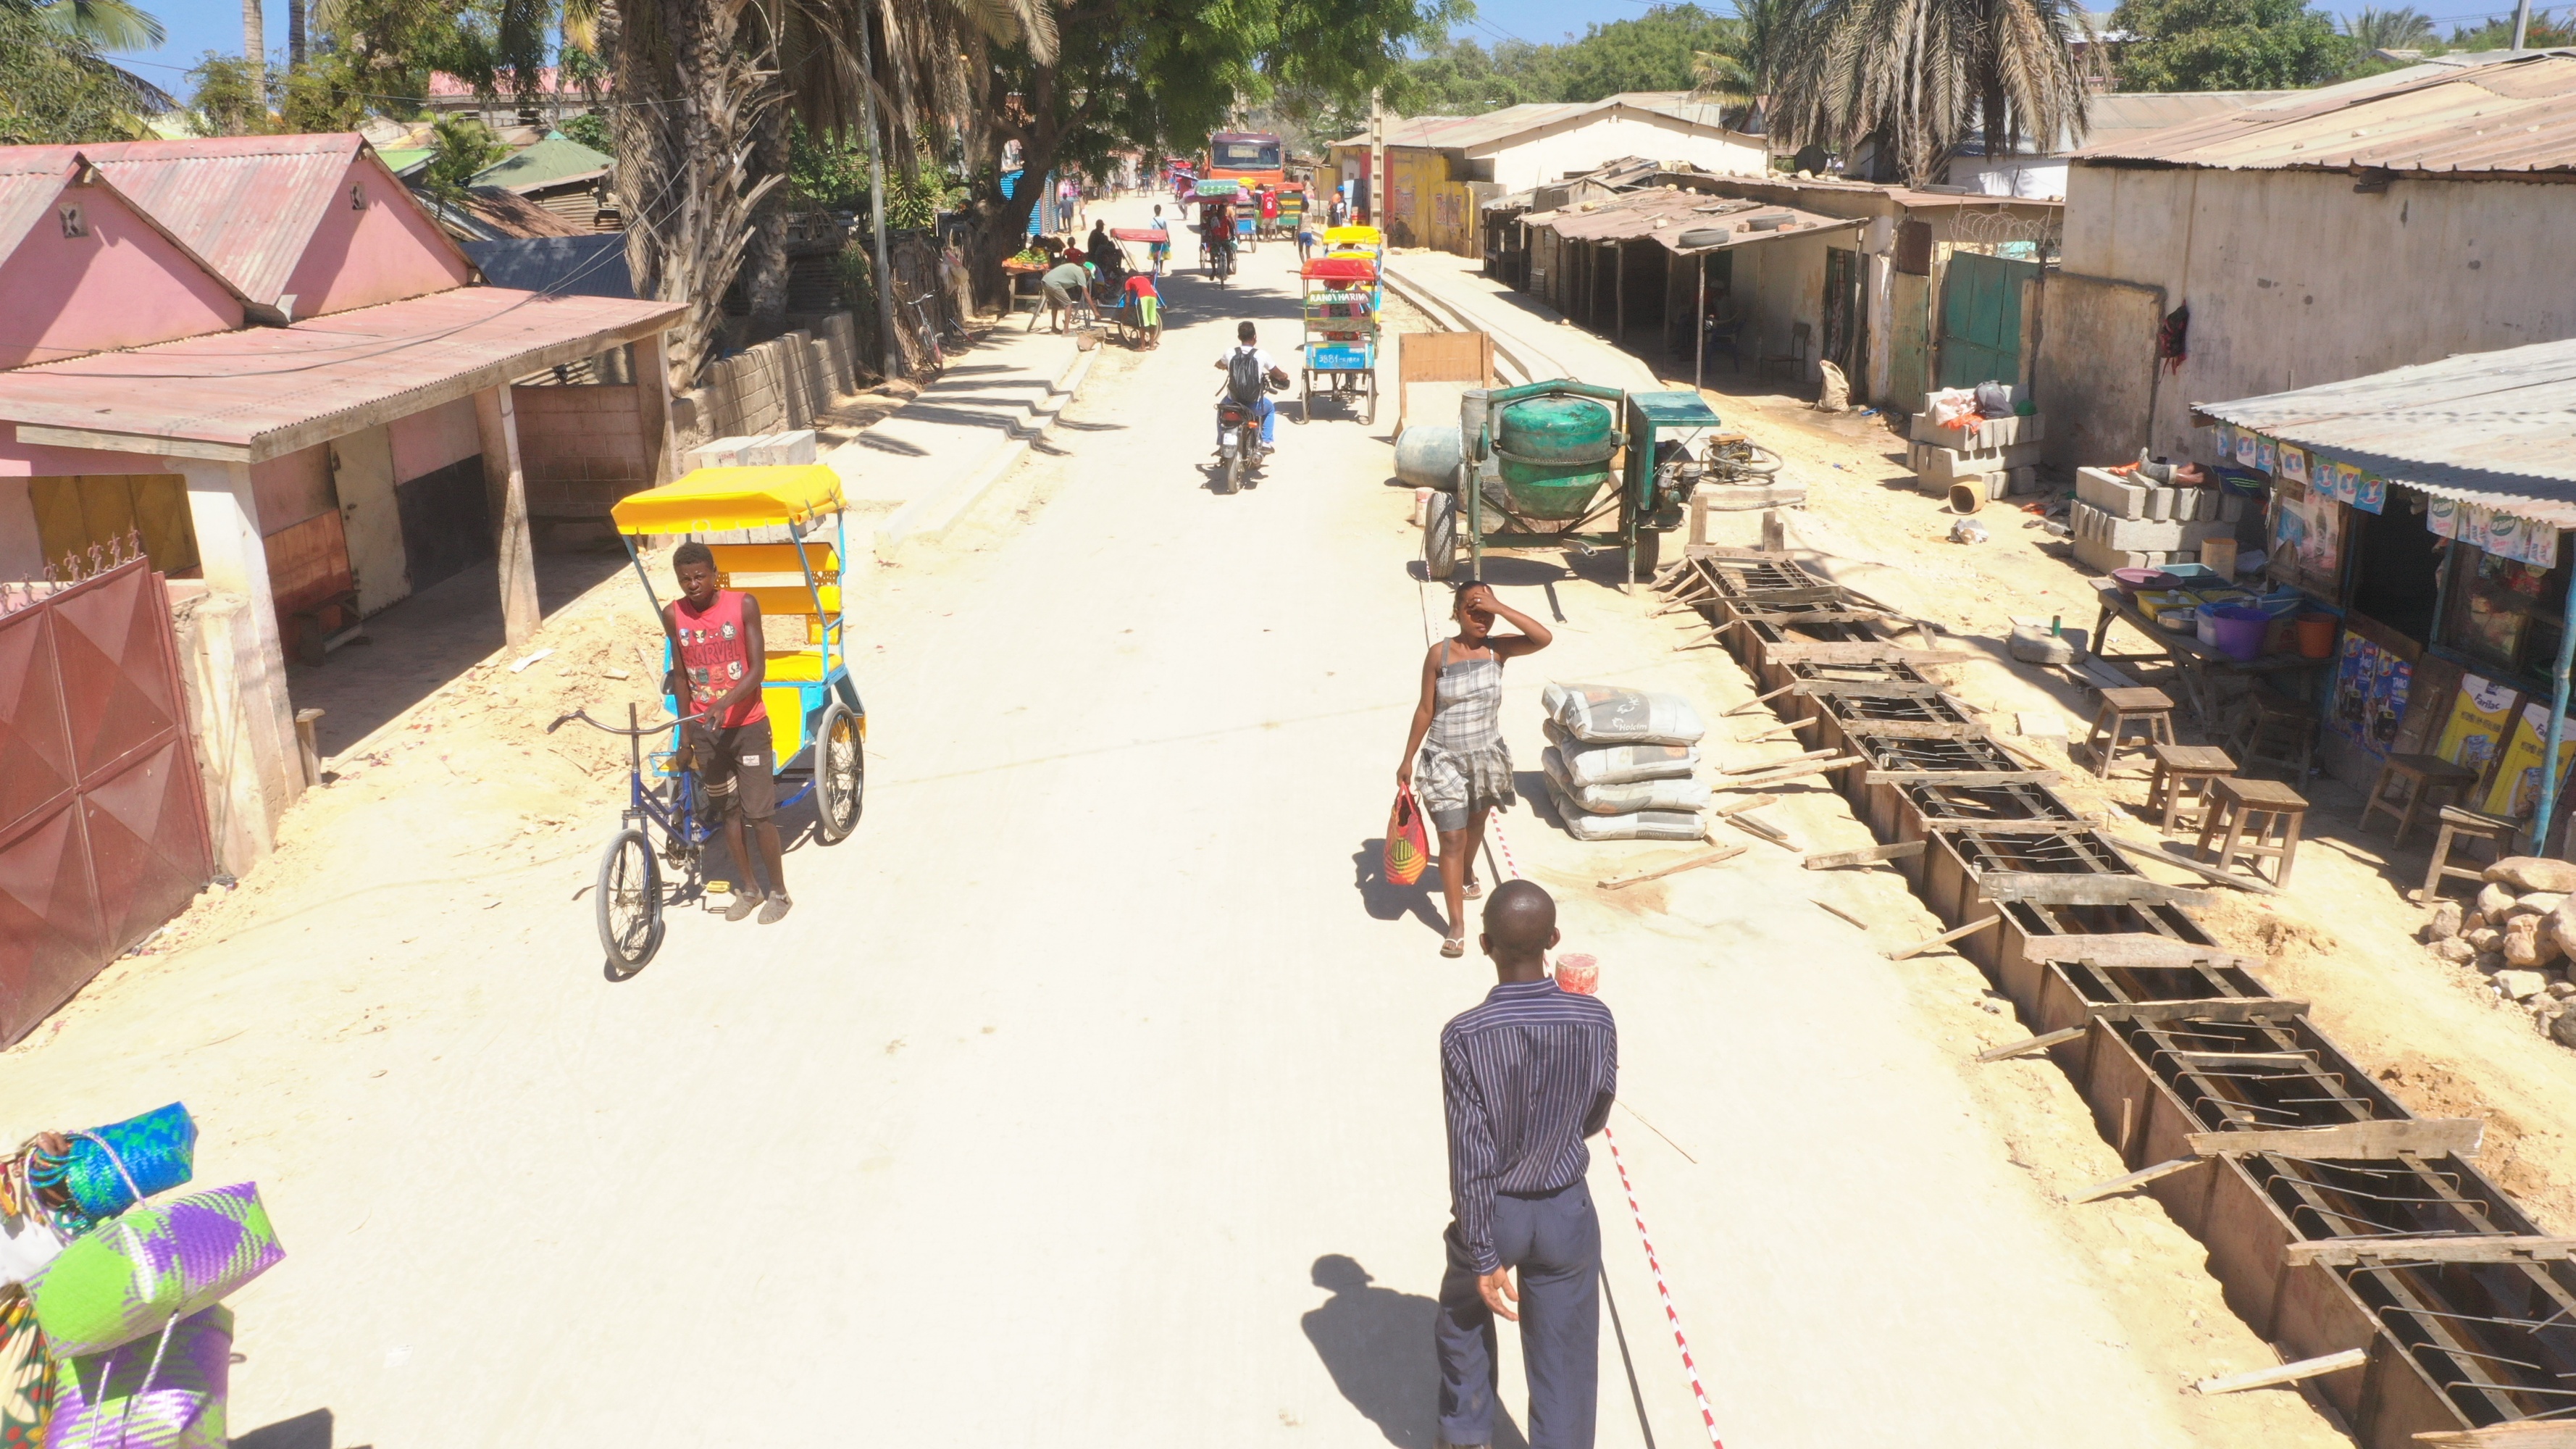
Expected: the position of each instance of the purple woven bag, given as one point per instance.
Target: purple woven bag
(165, 1392)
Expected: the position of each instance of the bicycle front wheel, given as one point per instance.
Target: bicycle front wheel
(630, 903)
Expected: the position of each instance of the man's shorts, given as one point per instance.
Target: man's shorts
(737, 769)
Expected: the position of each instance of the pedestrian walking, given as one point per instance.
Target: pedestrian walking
(1456, 749)
(1525, 1076)
(1163, 239)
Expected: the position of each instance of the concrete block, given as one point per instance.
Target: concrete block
(1992, 433)
(2143, 534)
(2022, 481)
(2111, 492)
(796, 446)
(721, 453)
(2232, 507)
(2102, 557)
(1950, 464)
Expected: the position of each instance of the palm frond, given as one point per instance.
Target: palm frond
(107, 24)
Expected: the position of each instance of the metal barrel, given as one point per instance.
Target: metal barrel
(1427, 455)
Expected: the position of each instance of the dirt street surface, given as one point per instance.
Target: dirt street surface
(1089, 1096)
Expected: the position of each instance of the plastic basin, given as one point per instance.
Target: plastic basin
(2238, 630)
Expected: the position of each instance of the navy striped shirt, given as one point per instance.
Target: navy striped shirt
(1527, 1076)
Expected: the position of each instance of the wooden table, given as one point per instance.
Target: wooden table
(2195, 664)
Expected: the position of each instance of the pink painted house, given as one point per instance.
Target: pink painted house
(262, 356)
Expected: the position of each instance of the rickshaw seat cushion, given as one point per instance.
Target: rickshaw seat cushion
(798, 666)
(782, 601)
(776, 558)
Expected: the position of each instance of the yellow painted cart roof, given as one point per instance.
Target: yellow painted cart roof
(1364, 235)
(711, 500)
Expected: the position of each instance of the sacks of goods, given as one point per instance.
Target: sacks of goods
(1619, 763)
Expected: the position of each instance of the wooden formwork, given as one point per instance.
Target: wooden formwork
(2117, 957)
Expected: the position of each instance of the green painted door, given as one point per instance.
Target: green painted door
(1981, 319)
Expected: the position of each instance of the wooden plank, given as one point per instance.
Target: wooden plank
(2128, 948)
(2030, 1044)
(1710, 857)
(2521, 1434)
(1867, 688)
(1757, 701)
(2385, 1138)
(2139, 1178)
(2084, 890)
(1782, 729)
(1758, 766)
(2220, 1008)
(1914, 729)
(1740, 806)
(2165, 854)
(1868, 855)
(1864, 652)
(2247, 1059)
(1744, 498)
(1764, 829)
(1832, 909)
(1955, 933)
(2459, 1248)
(2009, 827)
(1794, 772)
(2288, 1373)
(1971, 778)
(1806, 616)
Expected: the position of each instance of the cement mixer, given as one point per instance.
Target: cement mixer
(1552, 463)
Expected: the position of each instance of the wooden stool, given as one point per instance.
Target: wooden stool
(2276, 731)
(2121, 708)
(2422, 775)
(2243, 816)
(2462, 824)
(2184, 772)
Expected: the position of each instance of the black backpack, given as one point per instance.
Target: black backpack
(1243, 379)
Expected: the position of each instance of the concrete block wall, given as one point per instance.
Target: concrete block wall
(582, 447)
(777, 386)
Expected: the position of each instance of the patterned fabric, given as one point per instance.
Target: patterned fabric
(1465, 766)
(158, 1262)
(1407, 851)
(122, 1399)
(1526, 1075)
(159, 1149)
(26, 1377)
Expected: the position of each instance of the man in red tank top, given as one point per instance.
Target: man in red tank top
(716, 635)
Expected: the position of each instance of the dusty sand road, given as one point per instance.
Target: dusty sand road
(1089, 1096)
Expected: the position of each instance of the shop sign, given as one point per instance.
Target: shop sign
(2524, 540)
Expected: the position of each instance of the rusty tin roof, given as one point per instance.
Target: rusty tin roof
(1665, 215)
(2493, 428)
(2513, 115)
(260, 392)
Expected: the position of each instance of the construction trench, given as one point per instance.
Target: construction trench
(2397, 1281)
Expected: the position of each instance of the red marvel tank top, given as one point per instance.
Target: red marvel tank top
(713, 653)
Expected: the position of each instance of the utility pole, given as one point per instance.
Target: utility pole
(1377, 159)
(2521, 28)
(876, 210)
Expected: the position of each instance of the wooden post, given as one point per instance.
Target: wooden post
(505, 483)
(653, 408)
(1619, 292)
(1699, 344)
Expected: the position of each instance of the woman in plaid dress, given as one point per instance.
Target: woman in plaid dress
(1455, 759)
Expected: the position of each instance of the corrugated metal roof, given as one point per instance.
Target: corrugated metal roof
(550, 162)
(264, 391)
(1452, 133)
(2494, 428)
(30, 178)
(1665, 215)
(246, 204)
(2516, 114)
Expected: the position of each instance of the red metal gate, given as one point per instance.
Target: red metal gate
(102, 821)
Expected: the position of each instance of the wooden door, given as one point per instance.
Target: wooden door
(362, 473)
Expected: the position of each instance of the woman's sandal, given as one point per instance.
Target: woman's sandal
(1472, 890)
(1453, 946)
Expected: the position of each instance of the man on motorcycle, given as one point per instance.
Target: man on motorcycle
(1250, 374)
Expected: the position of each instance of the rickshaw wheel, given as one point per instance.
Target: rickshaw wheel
(630, 903)
(1440, 536)
(840, 774)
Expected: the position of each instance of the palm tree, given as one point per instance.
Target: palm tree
(1917, 76)
(107, 24)
(2404, 28)
(255, 45)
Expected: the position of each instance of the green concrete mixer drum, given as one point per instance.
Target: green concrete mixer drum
(1554, 454)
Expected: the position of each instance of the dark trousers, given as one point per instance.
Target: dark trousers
(1555, 1242)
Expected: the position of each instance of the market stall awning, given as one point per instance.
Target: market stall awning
(2497, 429)
(261, 392)
(1712, 223)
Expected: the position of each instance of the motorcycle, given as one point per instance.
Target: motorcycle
(1238, 441)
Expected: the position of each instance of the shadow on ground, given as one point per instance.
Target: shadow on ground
(1376, 1343)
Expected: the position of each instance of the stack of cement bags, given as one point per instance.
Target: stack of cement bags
(1619, 762)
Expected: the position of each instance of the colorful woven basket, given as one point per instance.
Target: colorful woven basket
(125, 1400)
(158, 1148)
(26, 1377)
(158, 1262)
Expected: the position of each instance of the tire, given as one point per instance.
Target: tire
(1368, 414)
(1650, 549)
(1440, 537)
(840, 774)
(1231, 478)
(630, 903)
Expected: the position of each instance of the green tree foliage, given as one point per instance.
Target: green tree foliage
(592, 129)
(1652, 52)
(2545, 29)
(389, 47)
(2228, 45)
(464, 147)
(106, 24)
(2404, 28)
(230, 97)
(54, 89)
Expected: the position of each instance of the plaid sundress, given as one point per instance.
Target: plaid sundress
(1465, 766)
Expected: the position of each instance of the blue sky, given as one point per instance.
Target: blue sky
(197, 26)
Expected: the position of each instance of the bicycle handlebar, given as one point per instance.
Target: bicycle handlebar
(636, 733)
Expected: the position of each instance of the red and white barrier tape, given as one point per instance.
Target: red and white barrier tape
(1690, 1366)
